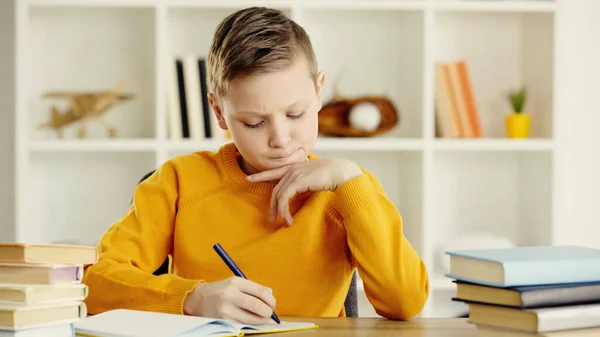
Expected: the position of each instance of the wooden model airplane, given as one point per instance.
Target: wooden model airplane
(84, 106)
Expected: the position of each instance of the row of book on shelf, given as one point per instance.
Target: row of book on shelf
(190, 115)
(456, 111)
(529, 291)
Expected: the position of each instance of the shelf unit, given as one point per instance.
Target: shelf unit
(71, 190)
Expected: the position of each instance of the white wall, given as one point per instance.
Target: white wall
(7, 122)
(578, 157)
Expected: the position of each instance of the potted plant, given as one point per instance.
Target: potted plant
(518, 122)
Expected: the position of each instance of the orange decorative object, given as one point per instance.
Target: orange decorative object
(334, 117)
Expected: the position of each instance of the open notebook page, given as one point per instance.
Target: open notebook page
(117, 323)
(133, 323)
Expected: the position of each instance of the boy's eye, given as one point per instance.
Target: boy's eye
(253, 126)
(297, 116)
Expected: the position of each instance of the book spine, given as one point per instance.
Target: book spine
(561, 295)
(206, 109)
(174, 125)
(568, 318)
(185, 128)
(193, 99)
(443, 106)
(550, 272)
(67, 274)
(457, 129)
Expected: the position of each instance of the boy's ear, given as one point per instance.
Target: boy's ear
(320, 81)
(217, 110)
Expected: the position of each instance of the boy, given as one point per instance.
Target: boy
(295, 224)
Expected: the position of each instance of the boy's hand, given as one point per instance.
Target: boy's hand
(235, 299)
(316, 175)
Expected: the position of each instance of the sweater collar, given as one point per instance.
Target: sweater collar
(230, 157)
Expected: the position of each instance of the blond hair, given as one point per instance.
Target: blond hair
(252, 41)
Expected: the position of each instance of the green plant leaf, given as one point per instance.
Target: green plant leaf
(517, 99)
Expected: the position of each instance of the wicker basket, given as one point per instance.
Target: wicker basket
(334, 117)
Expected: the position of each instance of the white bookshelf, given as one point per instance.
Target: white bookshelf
(7, 120)
(72, 190)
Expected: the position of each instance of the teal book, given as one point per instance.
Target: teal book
(525, 266)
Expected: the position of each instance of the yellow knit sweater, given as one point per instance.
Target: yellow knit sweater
(196, 200)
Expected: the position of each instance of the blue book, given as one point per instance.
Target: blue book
(525, 266)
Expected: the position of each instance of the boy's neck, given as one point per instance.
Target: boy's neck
(245, 167)
(249, 169)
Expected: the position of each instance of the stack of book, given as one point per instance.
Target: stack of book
(41, 293)
(530, 291)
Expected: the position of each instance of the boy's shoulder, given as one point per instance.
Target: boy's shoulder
(200, 166)
(204, 160)
(202, 157)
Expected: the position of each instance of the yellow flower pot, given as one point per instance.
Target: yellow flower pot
(517, 125)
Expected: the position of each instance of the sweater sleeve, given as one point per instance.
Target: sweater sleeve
(134, 247)
(394, 276)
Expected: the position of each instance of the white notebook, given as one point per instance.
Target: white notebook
(133, 323)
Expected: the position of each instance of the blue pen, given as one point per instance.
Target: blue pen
(236, 270)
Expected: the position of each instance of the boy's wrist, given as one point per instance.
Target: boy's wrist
(348, 171)
(191, 301)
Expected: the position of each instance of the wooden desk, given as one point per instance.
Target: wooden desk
(373, 327)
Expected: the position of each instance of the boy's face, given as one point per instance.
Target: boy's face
(273, 117)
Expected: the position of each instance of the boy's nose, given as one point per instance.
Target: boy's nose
(280, 135)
